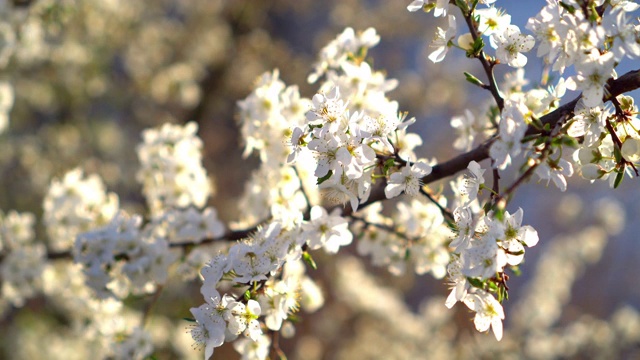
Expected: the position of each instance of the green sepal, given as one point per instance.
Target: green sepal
(516, 270)
(324, 178)
(593, 14)
(540, 140)
(189, 319)
(428, 7)
(247, 295)
(498, 214)
(478, 45)
(388, 165)
(476, 282)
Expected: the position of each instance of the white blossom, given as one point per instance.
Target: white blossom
(409, 180)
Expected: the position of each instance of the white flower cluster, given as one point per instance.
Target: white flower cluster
(137, 345)
(76, 204)
(346, 145)
(126, 256)
(171, 170)
(507, 40)
(419, 240)
(597, 155)
(6, 100)
(483, 248)
(271, 250)
(266, 117)
(346, 46)
(147, 257)
(592, 44)
(24, 261)
(347, 139)
(188, 225)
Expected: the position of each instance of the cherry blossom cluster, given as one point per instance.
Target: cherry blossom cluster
(419, 240)
(147, 257)
(171, 169)
(350, 126)
(270, 260)
(21, 268)
(484, 245)
(126, 255)
(266, 118)
(74, 204)
(600, 155)
(6, 101)
(347, 144)
(592, 41)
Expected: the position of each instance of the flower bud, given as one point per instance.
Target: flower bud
(631, 150)
(591, 171)
(465, 41)
(585, 155)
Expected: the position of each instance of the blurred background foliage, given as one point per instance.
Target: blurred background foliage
(89, 75)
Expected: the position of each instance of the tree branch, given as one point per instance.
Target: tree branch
(625, 83)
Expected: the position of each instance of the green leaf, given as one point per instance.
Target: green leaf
(462, 5)
(570, 8)
(617, 155)
(309, 260)
(536, 123)
(618, 180)
(189, 319)
(472, 79)
(487, 207)
(569, 141)
(324, 178)
(502, 295)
